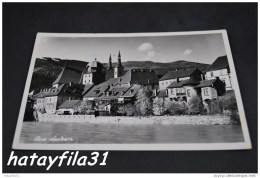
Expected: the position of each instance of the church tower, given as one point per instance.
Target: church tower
(93, 73)
(110, 63)
(119, 69)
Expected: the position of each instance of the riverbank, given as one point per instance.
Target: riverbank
(162, 120)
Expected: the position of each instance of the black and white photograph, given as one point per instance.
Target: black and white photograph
(141, 91)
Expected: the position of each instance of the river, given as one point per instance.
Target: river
(53, 132)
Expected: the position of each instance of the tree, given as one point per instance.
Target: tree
(114, 108)
(195, 105)
(144, 104)
(229, 104)
(128, 110)
(85, 107)
(215, 107)
(158, 106)
(176, 108)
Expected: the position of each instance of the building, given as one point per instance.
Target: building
(130, 95)
(93, 74)
(119, 69)
(142, 77)
(69, 107)
(40, 98)
(211, 89)
(183, 90)
(178, 76)
(109, 70)
(220, 68)
(54, 97)
(96, 92)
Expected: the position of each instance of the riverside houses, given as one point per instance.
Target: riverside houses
(178, 76)
(54, 97)
(105, 86)
(220, 68)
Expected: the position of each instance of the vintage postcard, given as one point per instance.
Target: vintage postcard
(135, 91)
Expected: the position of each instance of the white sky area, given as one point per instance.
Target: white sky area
(196, 48)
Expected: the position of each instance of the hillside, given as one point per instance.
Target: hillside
(47, 69)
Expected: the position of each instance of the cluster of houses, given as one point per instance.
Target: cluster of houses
(105, 85)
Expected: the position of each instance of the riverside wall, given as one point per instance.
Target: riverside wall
(163, 120)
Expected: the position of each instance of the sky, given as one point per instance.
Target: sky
(203, 48)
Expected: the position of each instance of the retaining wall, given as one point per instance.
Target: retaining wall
(165, 120)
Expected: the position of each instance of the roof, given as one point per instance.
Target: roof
(112, 81)
(206, 83)
(178, 74)
(190, 81)
(140, 76)
(94, 64)
(176, 84)
(53, 91)
(71, 90)
(132, 91)
(220, 63)
(68, 74)
(38, 95)
(96, 91)
(69, 104)
(115, 92)
(87, 88)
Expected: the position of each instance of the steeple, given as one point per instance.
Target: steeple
(110, 62)
(119, 60)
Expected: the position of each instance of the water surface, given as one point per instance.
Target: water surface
(50, 132)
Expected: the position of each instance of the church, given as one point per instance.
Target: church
(114, 72)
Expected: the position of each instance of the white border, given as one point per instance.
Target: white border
(175, 146)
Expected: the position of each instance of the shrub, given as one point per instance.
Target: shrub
(176, 108)
(195, 105)
(229, 105)
(215, 107)
(229, 102)
(114, 108)
(128, 110)
(158, 106)
(85, 107)
(144, 104)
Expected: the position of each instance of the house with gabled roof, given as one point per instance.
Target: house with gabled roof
(95, 92)
(183, 89)
(220, 68)
(211, 89)
(53, 97)
(178, 76)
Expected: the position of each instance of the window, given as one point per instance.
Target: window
(206, 92)
(162, 83)
(211, 74)
(188, 93)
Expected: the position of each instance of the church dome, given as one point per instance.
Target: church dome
(94, 65)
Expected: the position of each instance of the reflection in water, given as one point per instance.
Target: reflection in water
(113, 133)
